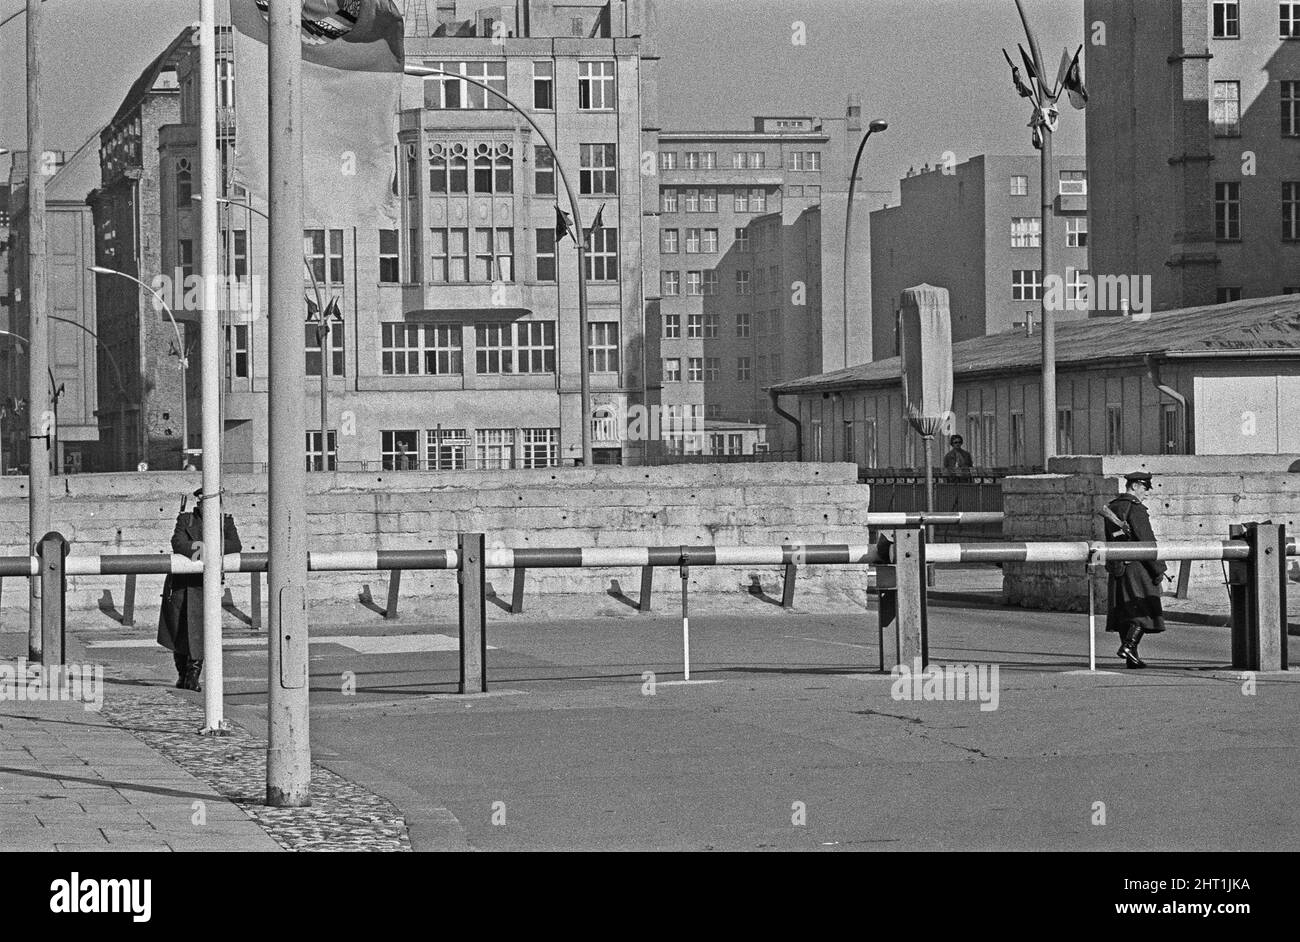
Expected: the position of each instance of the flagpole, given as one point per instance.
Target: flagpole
(210, 375)
(584, 381)
(288, 752)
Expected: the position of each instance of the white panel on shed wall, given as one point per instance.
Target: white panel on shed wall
(1236, 415)
(1288, 407)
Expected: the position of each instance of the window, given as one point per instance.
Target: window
(313, 451)
(494, 254)
(236, 351)
(1017, 439)
(493, 348)
(311, 335)
(701, 160)
(597, 169)
(1019, 184)
(494, 447)
(1226, 293)
(544, 86)
(185, 255)
(695, 369)
(758, 201)
(743, 286)
(1227, 19)
(691, 204)
(602, 348)
(816, 440)
(710, 325)
(225, 84)
(747, 160)
(1026, 285)
(1025, 232)
(693, 241)
(806, 160)
(1225, 113)
(981, 438)
(709, 285)
(1288, 20)
(1076, 289)
(1065, 431)
(670, 285)
(695, 326)
(668, 241)
(494, 168)
(1290, 109)
(743, 370)
(709, 240)
(541, 447)
(742, 324)
(543, 171)
(602, 256)
(694, 283)
(1114, 429)
(595, 86)
(389, 266)
(421, 349)
(708, 201)
(1291, 211)
(1076, 231)
(1227, 211)
(445, 449)
(742, 240)
(673, 370)
(545, 242)
(521, 347)
(327, 266)
(448, 255)
(668, 160)
(452, 94)
(668, 200)
(1073, 183)
(184, 184)
(712, 367)
(1170, 437)
(672, 326)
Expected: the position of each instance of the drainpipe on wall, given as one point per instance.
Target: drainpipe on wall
(1153, 370)
(798, 426)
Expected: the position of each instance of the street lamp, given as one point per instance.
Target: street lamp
(872, 128)
(182, 356)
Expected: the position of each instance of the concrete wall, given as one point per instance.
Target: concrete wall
(1194, 497)
(765, 504)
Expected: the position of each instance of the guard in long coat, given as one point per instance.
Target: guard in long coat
(180, 623)
(1133, 589)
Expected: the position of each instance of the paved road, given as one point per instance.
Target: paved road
(783, 717)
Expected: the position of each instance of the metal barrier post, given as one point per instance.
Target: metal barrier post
(887, 613)
(1263, 642)
(686, 621)
(128, 602)
(787, 587)
(52, 550)
(912, 639)
(647, 588)
(394, 588)
(517, 596)
(473, 614)
(255, 602)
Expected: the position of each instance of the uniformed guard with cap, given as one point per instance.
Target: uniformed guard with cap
(1133, 589)
(180, 623)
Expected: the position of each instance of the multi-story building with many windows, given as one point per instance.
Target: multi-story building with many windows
(1194, 146)
(751, 260)
(459, 344)
(975, 229)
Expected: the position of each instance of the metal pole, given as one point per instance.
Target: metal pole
(686, 621)
(1049, 322)
(39, 416)
(288, 754)
(848, 224)
(325, 361)
(210, 373)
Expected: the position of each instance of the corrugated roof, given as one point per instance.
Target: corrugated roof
(1253, 327)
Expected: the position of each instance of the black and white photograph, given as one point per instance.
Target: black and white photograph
(686, 426)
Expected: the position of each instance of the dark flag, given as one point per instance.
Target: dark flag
(1021, 87)
(563, 225)
(596, 223)
(1073, 83)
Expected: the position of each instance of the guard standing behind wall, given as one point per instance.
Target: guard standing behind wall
(1133, 590)
(180, 623)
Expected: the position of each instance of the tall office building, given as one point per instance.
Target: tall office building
(1194, 146)
(976, 231)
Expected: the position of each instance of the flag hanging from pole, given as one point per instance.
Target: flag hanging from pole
(563, 225)
(1073, 83)
(596, 223)
(352, 64)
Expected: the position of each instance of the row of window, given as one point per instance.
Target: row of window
(705, 200)
(1227, 211)
(451, 449)
(1027, 232)
(740, 160)
(704, 283)
(1226, 19)
(460, 168)
(1071, 183)
(597, 87)
(705, 326)
(708, 369)
(1225, 108)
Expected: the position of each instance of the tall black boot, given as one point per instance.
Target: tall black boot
(192, 671)
(181, 661)
(1129, 652)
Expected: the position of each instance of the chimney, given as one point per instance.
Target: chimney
(855, 112)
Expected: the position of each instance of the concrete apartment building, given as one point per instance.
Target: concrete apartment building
(1198, 184)
(751, 263)
(975, 231)
(72, 328)
(459, 345)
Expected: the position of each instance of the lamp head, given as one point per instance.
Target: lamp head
(878, 125)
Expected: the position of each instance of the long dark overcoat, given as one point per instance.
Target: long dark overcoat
(1133, 589)
(180, 623)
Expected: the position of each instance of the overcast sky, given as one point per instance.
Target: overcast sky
(932, 68)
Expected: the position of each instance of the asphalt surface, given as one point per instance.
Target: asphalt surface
(786, 736)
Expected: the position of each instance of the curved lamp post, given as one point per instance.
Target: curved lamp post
(579, 239)
(872, 128)
(182, 355)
